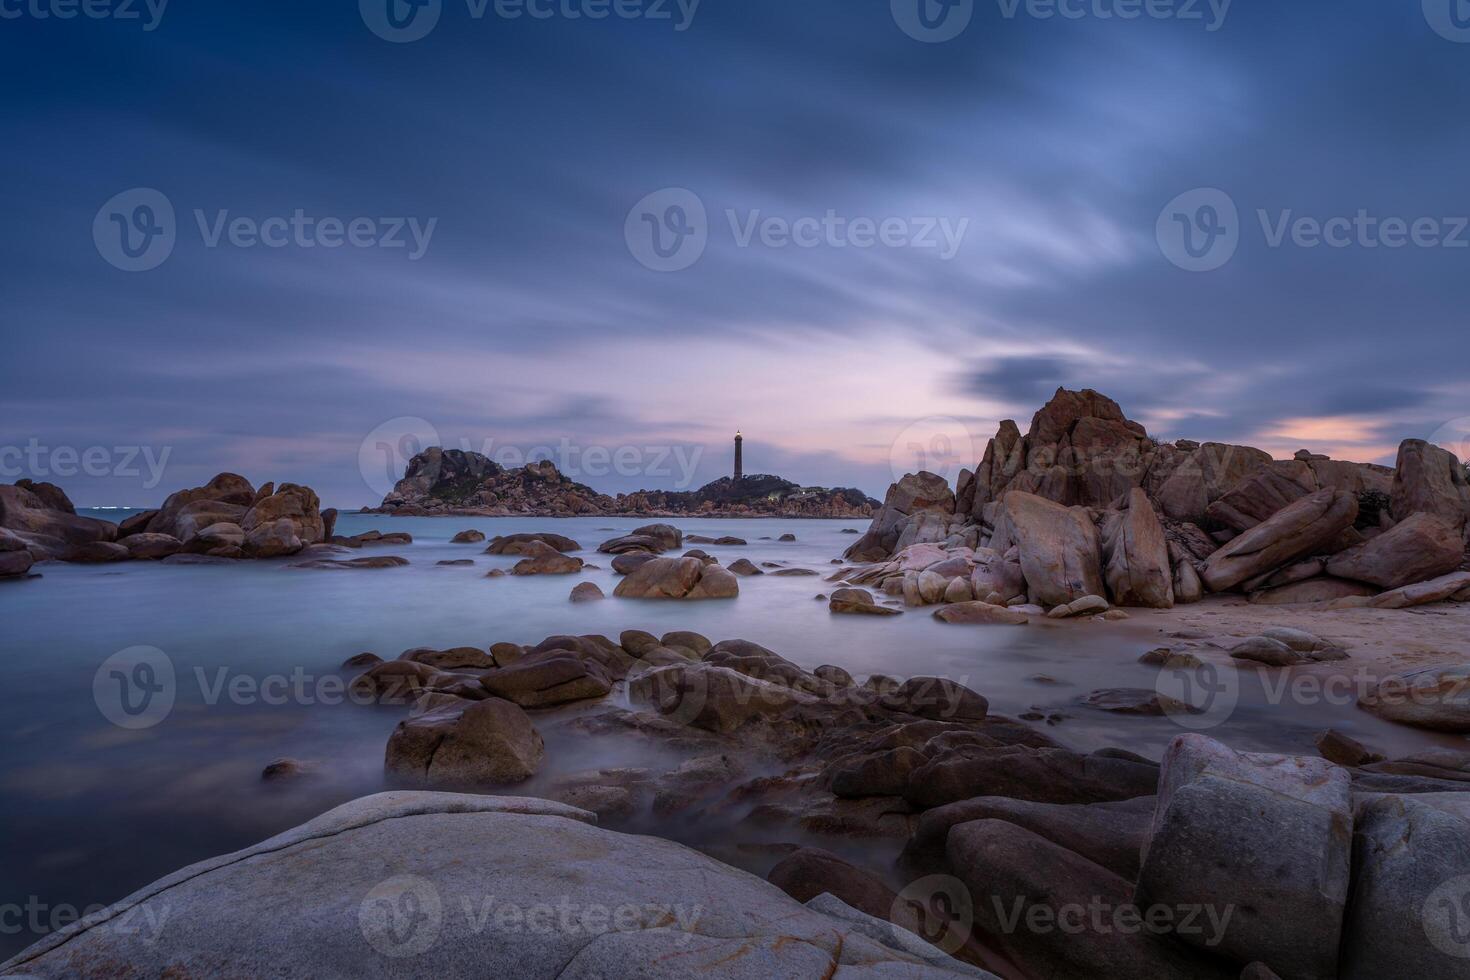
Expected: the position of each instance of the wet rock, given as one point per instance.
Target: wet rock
(810, 871)
(455, 563)
(396, 681)
(744, 566)
(15, 564)
(858, 602)
(350, 564)
(362, 660)
(1421, 546)
(273, 539)
(1218, 813)
(936, 698)
(638, 642)
(1135, 701)
(145, 546)
(1344, 750)
(286, 770)
(877, 774)
(712, 697)
(300, 510)
(504, 654)
(652, 538)
(222, 540)
(1171, 659)
(1047, 775)
(544, 679)
(678, 578)
(1437, 698)
(586, 592)
(490, 742)
(795, 572)
(981, 613)
(542, 559)
(697, 644)
(1292, 533)
(835, 676)
(517, 544)
(456, 658)
(98, 552)
(471, 537)
(1088, 605)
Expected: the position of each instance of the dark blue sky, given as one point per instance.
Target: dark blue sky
(1051, 149)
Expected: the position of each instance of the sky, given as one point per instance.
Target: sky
(299, 241)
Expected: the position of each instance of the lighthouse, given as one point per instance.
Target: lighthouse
(739, 464)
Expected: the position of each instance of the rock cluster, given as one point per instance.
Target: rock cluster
(451, 481)
(1086, 507)
(227, 518)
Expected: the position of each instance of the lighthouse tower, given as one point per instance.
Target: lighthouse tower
(739, 463)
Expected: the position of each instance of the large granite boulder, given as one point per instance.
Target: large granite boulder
(651, 538)
(27, 513)
(1422, 546)
(151, 546)
(186, 512)
(546, 678)
(1186, 478)
(543, 559)
(51, 496)
(445, 885)
(289, 502)
(914, 498)
(1260, 495)
(1267, 836)
(678, 578)
(1297, 530)
(15, 557)
(516, 544)
(712, 696)
(490, 742)
(1060, 550)
(1410, 910)
(1138, 570)
(1430, 480)
(273, 539)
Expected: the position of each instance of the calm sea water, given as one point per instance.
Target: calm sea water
(93, 811)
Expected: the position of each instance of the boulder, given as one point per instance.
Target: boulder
(1261, 495)
(470, 537)
(678, 578)
(488, 742)
(980, 613)
(51, 496)
(936, 698)
(1293, 532)
(1436, 698)
(713, 697)
(915, 495)
(144, 545)
(1411, 889)
(1047, 775)
(97, 552)
(652, 538)
(1187, 478)
(858, 602)
(1268, 836)
(1452, 586)
(542, 559)
(626, 564)
(1419, 547)
(222, 540)
(379, 887)
(547, 678)
(273, 539)
(1059, 548)
(1322, 589)
(351, 564)
(697, 644)
(14, 563)
(290, 502)
(810, 871)
(1138, 570)
(586, 592)
(1344, 750)
(515, 544)
(744, 566)
(23, 511)
(1428, 479)
(136, 524)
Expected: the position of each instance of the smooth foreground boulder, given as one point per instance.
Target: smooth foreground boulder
(1267, 836)
(1060, 551)
(1138, 569)
(1294, 532)
(446, 885)
(1422, 546)
(1410, 909)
